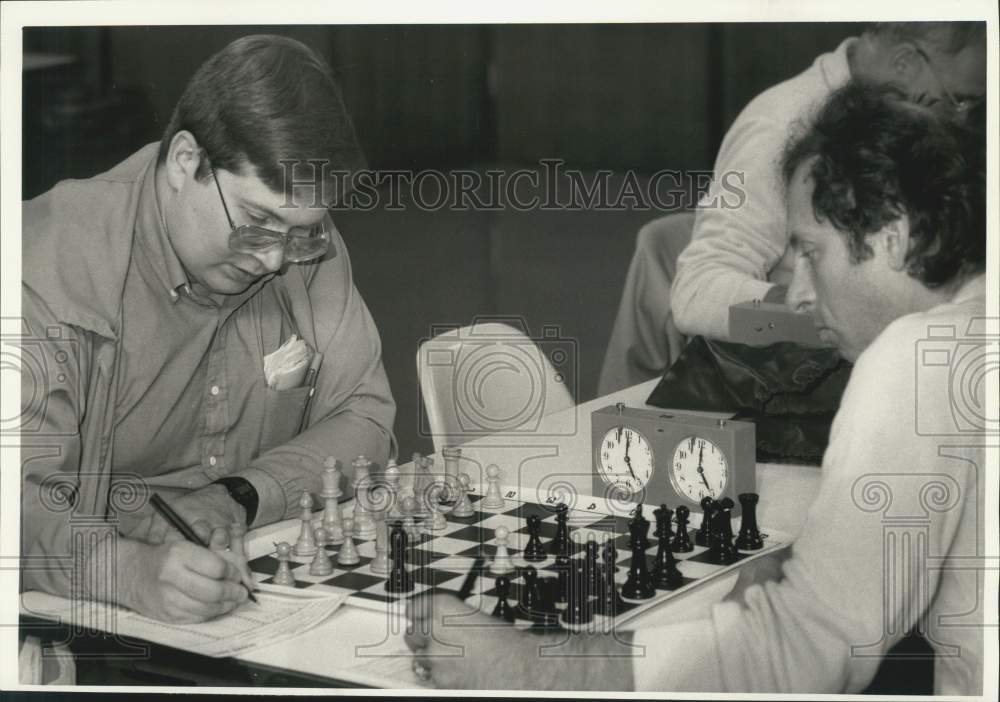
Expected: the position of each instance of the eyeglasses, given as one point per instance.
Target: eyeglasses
(300, 244)
(962, 106)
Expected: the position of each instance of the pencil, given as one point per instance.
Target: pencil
(174, 520)
(470, 579)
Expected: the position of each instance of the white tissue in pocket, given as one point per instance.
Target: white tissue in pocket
(286, 367)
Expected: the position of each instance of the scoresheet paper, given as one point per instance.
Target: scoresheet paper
(275, 617)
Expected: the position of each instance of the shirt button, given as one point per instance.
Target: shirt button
(212, 461)
(215, 390)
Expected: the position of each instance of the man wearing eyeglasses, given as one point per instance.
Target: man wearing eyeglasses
(676, 287)
(157, 297)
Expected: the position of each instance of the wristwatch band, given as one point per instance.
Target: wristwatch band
(243, 492)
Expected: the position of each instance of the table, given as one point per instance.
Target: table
(362, 647)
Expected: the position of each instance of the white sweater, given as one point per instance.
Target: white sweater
(737, 253)
(895, 536)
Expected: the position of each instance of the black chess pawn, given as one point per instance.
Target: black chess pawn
(561, 544)
(578, 607)
(749, 538)
(665, 574)
(707, 507)
(503, 610)
(533, 550)
(399, 579)
(681, 542)
(639, 585)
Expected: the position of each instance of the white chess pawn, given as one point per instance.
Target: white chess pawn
(380, 564)
(305, 547)
(502, 562)
(463, 507)
(493, 498)
(284, 574)
(321, 564)
(348, 554)
(331, 501)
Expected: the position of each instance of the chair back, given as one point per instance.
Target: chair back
(490, 377)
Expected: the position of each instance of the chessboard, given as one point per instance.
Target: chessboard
(442, 561)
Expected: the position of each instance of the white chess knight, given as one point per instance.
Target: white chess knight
(437, 522)
(463, 507)
(502, 562)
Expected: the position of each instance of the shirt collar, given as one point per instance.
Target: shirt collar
(151, 231)
(835, 67)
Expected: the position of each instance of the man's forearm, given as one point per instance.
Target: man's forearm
(282, 474)
(585, 661)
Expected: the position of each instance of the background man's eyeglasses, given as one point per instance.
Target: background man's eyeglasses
(959, 106)
(300, 244)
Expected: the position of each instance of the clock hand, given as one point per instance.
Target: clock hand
(628, 463)
(701, 472)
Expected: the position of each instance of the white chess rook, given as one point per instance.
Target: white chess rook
(364, 523)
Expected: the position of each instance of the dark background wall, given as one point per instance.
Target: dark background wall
(619, 97)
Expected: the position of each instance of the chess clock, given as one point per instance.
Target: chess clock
(656, 456)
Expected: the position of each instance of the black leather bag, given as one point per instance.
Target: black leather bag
(790, 392)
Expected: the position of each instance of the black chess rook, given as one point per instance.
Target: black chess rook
(749, 538)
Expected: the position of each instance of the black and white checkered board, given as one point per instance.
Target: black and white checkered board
(441, 561)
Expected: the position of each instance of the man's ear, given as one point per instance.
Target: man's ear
(905, 63)
(183, 158)
(896, 240)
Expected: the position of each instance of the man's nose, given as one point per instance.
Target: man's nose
(271, 259)
(801, 291)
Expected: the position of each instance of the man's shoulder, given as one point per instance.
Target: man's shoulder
(906, 357)
(77, 241)
(788, 102)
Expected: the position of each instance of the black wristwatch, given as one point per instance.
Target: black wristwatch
(243, 491)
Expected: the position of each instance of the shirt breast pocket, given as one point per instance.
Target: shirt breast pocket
(283, 413)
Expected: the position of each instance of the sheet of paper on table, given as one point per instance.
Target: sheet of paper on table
(275, 617)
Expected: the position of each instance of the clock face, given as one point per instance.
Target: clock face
(625, 458)
(699, 469)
